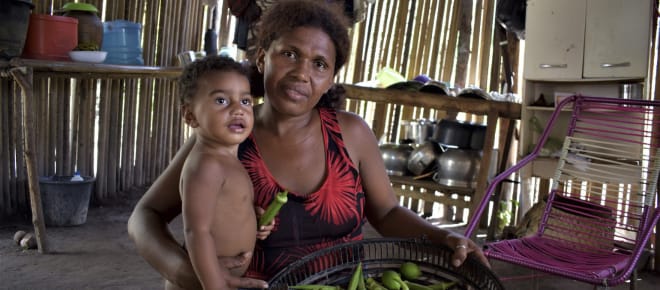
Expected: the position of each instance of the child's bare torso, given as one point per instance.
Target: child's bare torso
(235, 227)
(234, 223)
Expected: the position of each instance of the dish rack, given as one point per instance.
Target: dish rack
(335, 265)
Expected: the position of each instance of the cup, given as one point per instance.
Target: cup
(186, 57)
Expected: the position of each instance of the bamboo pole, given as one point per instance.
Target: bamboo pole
(24, 78)
(5, 144)
(476, 41)
(486, 43)
(465, 30)
(451, 42)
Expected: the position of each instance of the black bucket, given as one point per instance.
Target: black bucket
(65, 202)
(14, 19)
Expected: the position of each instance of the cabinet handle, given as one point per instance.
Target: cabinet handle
(621, 64)
(545, 65)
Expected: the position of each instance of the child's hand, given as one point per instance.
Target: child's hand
(263, 231)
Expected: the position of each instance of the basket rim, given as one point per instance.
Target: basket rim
(471, 261)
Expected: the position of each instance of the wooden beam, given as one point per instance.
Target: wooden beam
(24, 77)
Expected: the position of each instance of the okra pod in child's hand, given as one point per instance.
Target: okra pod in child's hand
(273, 208)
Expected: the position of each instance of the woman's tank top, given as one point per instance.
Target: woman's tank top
(334, 214)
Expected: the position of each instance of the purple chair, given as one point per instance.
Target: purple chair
(600, 211)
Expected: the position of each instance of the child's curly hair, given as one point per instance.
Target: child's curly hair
(193, 71)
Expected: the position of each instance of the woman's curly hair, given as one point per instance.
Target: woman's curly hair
(287, 15)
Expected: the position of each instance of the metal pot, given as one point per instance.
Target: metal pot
(422, 159)
(417, 131)
(477, 136)
(395, 157)
(458, 167)
(453, 133)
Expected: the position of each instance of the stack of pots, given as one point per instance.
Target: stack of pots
(450, 151)
(462, 145)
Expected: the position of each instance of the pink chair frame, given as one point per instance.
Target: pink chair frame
(601, 209)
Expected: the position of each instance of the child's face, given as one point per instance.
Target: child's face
(221, 110)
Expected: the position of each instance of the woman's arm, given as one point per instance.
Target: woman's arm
(147, 225)
(382, 207)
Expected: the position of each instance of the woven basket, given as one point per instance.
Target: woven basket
(335, 265)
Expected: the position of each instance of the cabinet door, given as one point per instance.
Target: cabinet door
(554, 39)
(617, 38)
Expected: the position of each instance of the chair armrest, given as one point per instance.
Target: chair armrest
(472, 224)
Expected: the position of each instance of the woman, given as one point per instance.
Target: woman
(327, 159)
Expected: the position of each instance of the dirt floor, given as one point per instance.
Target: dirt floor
(99, 255)
(95, 255)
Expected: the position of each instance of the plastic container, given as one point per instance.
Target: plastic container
(14, 19)
(77, 177)
(51, 37)
(121, 39)
(90, 26)
(65, 202)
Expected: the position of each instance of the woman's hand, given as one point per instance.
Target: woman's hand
(263, 231)
(462, 248)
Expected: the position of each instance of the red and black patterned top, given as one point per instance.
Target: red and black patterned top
(332, 215)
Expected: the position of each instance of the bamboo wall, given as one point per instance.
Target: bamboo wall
(124, 131)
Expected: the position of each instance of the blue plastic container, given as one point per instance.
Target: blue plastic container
(121, 39)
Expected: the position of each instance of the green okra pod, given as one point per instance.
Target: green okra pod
(442, 286)
(372, 284)
(273, 208)
(355, 279)
(314, 287)
(415, 286)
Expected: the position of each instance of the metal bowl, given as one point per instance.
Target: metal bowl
(422, 158)
(395, 157)
(458, 167)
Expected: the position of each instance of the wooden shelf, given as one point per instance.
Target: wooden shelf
(91, 70)
(431, 185)
(441, 102)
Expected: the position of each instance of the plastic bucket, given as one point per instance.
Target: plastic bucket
(51, 37)
(14, 19)
(65, 202)
(121, 39)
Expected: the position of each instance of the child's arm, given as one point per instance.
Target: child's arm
(200, 185)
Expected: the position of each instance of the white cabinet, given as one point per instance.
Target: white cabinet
(588, 47)
(554, 39)
(580, 39)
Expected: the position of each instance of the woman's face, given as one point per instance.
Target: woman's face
(298, 69)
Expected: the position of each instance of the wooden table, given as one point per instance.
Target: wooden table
(22, 71)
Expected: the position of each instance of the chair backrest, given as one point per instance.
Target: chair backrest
(604, 187)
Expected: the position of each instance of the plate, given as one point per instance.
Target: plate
(88, 56)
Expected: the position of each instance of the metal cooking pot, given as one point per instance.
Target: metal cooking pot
(395, 157)
(458, 167)
(417, 131)
(477, 136)
(422, 159)
(453, 133)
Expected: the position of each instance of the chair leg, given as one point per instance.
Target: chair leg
(633, 280)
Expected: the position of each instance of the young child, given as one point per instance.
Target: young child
(218, 213)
